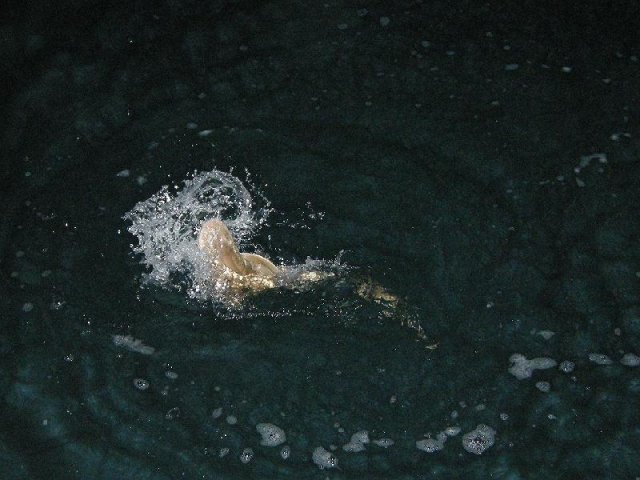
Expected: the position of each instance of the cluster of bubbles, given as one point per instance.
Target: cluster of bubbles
(431, 445)
(246, 455)
(478, 440)
(523, 368)
(323, 458)
(272, 435)
(357, 442)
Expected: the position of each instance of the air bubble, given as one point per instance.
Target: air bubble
(272, 435)
(630, 360)
(285, 452)
(357, 442)
(140, 383)
(479, 440)
(324, 459)
(246, 455)
(544, 387)
(452, 431)
(430, 445)
(567, 366)
(600, 359)
(546, 334)
(217, 413)
(383, 442)
(133, 344)
(522, 368)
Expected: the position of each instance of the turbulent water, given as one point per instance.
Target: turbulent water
(166, 226)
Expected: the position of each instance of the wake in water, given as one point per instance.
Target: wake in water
(167, 226)
(191, 238)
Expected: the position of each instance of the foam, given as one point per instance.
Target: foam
(383, 442)
(324, 458)
(522, 368)
(166, 226)
(272, 435)
(452, 431)
(479, 440)
(430, 445)
(546, 334)
(357, 442)
(630, 360)
(567, 366)
(353, 447)
(133, 344)
(600, 359)
(544, 387)
(247, 455)
(140, 383)
(285, 452)
(217, 413)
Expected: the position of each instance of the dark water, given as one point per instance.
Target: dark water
(480, 162)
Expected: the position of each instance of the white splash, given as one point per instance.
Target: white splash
(166, 226)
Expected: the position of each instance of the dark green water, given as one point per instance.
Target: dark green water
(479, 163)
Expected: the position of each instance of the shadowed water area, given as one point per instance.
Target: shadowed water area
(479, 163)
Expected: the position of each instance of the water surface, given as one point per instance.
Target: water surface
(481, 166)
